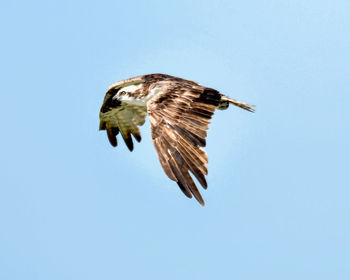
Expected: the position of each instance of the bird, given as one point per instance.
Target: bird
(179, 113)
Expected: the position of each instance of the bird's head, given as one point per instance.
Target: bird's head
(120, 91)
(124, 90)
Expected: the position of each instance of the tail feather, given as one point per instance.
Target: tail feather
(240, 104)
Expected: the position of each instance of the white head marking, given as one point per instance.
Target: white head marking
(131, 88)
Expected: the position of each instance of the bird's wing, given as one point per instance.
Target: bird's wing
(126, 118)
(179, 120)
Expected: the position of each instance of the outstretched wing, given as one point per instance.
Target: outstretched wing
(179, 120)
(124, 117)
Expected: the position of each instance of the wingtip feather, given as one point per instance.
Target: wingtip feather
(112, 136)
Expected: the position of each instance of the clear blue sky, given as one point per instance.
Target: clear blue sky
(277, 206)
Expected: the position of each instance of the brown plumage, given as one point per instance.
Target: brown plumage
(179, 111)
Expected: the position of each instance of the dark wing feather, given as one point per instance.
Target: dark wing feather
(124, 118)
(179, 118)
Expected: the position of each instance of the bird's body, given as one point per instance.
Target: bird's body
(179, 110)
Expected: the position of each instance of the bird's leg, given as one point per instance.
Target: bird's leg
(223, 105)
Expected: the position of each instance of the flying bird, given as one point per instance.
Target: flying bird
(179, 111)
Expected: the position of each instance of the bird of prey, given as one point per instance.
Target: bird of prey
(179, 111)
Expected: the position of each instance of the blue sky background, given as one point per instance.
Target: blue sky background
(277, 206)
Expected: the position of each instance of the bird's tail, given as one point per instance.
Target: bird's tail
(243, 105)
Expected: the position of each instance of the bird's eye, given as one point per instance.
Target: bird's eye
(123, 93)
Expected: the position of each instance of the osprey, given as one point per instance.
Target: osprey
(179, 111)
